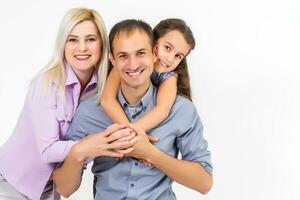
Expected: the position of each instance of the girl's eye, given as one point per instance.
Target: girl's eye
(167, 48)
(179, 56)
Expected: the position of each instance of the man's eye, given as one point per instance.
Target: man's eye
(122, 56)
(141, 53)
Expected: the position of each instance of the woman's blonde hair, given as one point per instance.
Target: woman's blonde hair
(55, 69)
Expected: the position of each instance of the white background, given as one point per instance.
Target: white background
(245, 81)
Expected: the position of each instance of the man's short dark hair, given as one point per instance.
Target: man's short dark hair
(128, 26)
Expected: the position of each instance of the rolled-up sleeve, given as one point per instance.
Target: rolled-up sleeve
(191, 143)
(42, 114)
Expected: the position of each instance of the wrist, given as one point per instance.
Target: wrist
(153, 155)
(76, 153)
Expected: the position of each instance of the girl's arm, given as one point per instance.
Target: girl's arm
(165, 99)
(109, 100)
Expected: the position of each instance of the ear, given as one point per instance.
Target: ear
(154, 52)
(111, 58)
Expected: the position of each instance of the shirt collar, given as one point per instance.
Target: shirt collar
(145, 100)
(71, 78)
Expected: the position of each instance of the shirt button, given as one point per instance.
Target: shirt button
(133, 117)
(132, 185)
(136, 164)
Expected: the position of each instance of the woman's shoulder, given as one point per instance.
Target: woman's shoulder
(40, 87)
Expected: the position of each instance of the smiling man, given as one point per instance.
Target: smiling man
(132, 56)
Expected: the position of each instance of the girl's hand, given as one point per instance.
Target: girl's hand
(110, 142)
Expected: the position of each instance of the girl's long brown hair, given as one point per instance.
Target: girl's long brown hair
(183, 78)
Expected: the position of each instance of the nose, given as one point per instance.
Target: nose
(170, 58)
(82, 46)
(133, 63)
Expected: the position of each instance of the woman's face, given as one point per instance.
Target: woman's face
(170, 50)
(83, 47)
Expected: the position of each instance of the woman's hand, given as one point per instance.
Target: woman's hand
(115, 141)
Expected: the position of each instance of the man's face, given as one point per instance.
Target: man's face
(133, 58)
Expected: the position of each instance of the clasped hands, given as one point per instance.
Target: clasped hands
(117, 141)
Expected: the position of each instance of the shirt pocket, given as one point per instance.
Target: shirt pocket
(64, 115)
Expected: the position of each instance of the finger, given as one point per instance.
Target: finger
(125, 151)
(119, 158)
(118, 134)
(146, 163)
(132, 141)
(112, 128)
(113, 154)
(152, 138)
(126, 138)
(121, 145)
(136, 129)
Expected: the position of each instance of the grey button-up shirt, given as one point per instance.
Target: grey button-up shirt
(129, 179)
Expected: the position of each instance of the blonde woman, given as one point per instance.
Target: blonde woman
(77, 69)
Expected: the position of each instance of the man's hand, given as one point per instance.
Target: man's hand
(115, 141)
(142, 145)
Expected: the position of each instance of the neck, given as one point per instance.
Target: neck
(84, 78)
(134, 94)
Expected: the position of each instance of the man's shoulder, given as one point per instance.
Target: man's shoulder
(183, 104)
(90, 108)
(88, 104)
(183, 110)
(91, 116)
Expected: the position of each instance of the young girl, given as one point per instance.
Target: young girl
(77, 69)
(173, 42)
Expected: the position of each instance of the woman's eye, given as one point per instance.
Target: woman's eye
(72, 40)
(91, 39)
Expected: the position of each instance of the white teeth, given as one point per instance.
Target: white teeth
(163, 64)
(82, 56)
(133, 73)
(136, 73)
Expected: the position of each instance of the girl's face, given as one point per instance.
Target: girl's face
(170, 50)
(83, 47)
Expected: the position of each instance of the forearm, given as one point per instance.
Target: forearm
(197, 177)
(109, 100)
(67, 177)
(56, 151)
(114, 110)
(153, 118)
(166, 96)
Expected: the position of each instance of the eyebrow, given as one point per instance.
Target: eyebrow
(142, 49)
(124, 52)
(76, 36)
